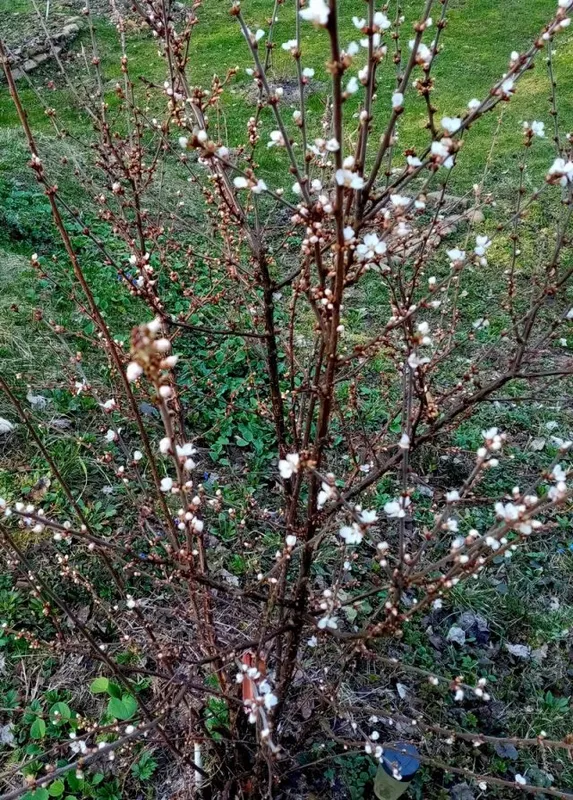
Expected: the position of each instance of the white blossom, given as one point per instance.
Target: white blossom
(562, 171)
(370, 248)
(351, 535)
(423, 53)
(507, 87)
(352, 180)
(414, 361)
(289, 465)
(259, 187)
(381, 21)
(400, 200)
(133, 371)
(482, 244)
(397, 508)
(456, 255)
(326, 493)
(397, 100)
(509, 512)
(277, 139)
(352, 86)
(328, 621)
(166, 484)
(451, 124)
(291, 45)
(537, 128)
(316, 12)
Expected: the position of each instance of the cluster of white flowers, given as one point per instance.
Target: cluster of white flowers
(397, 508)
(328, 605)
(184, 453)
(415, 361)
(291, 46)
(441, 153)
(423, 53)
(559, 489)
(327, 492)
(347, 178)
(561, 172)
(261, 698)
(483, 243)
(289, 465)
(371, 250)
(535, 128)
(423, 337)
(351, 534)
(451, 124)
(257, 186)
(322, 147)
(277, 139)
(375, 750)
(317, 12)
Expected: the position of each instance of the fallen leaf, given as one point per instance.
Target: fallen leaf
(402, 690)
(6, 735)
(461, 791)
(506, 750)
(5, 426)
(37, 401)
(539, 653)
(519, 650)
(475, 626)
(456, 634)
(537, 444)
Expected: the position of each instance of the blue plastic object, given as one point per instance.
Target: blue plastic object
(403, 757)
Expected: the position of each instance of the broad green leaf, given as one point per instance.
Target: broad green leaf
(99, 686)
(114, 690)
(60, 711)
(56, 789)
(38, 729)
(122, 709)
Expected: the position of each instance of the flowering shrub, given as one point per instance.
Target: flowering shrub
(340, 549)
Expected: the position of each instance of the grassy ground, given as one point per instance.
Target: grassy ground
(528, 600)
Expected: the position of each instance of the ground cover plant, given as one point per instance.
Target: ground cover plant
(287, 471)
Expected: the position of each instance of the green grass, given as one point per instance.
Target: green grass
(476, 46)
